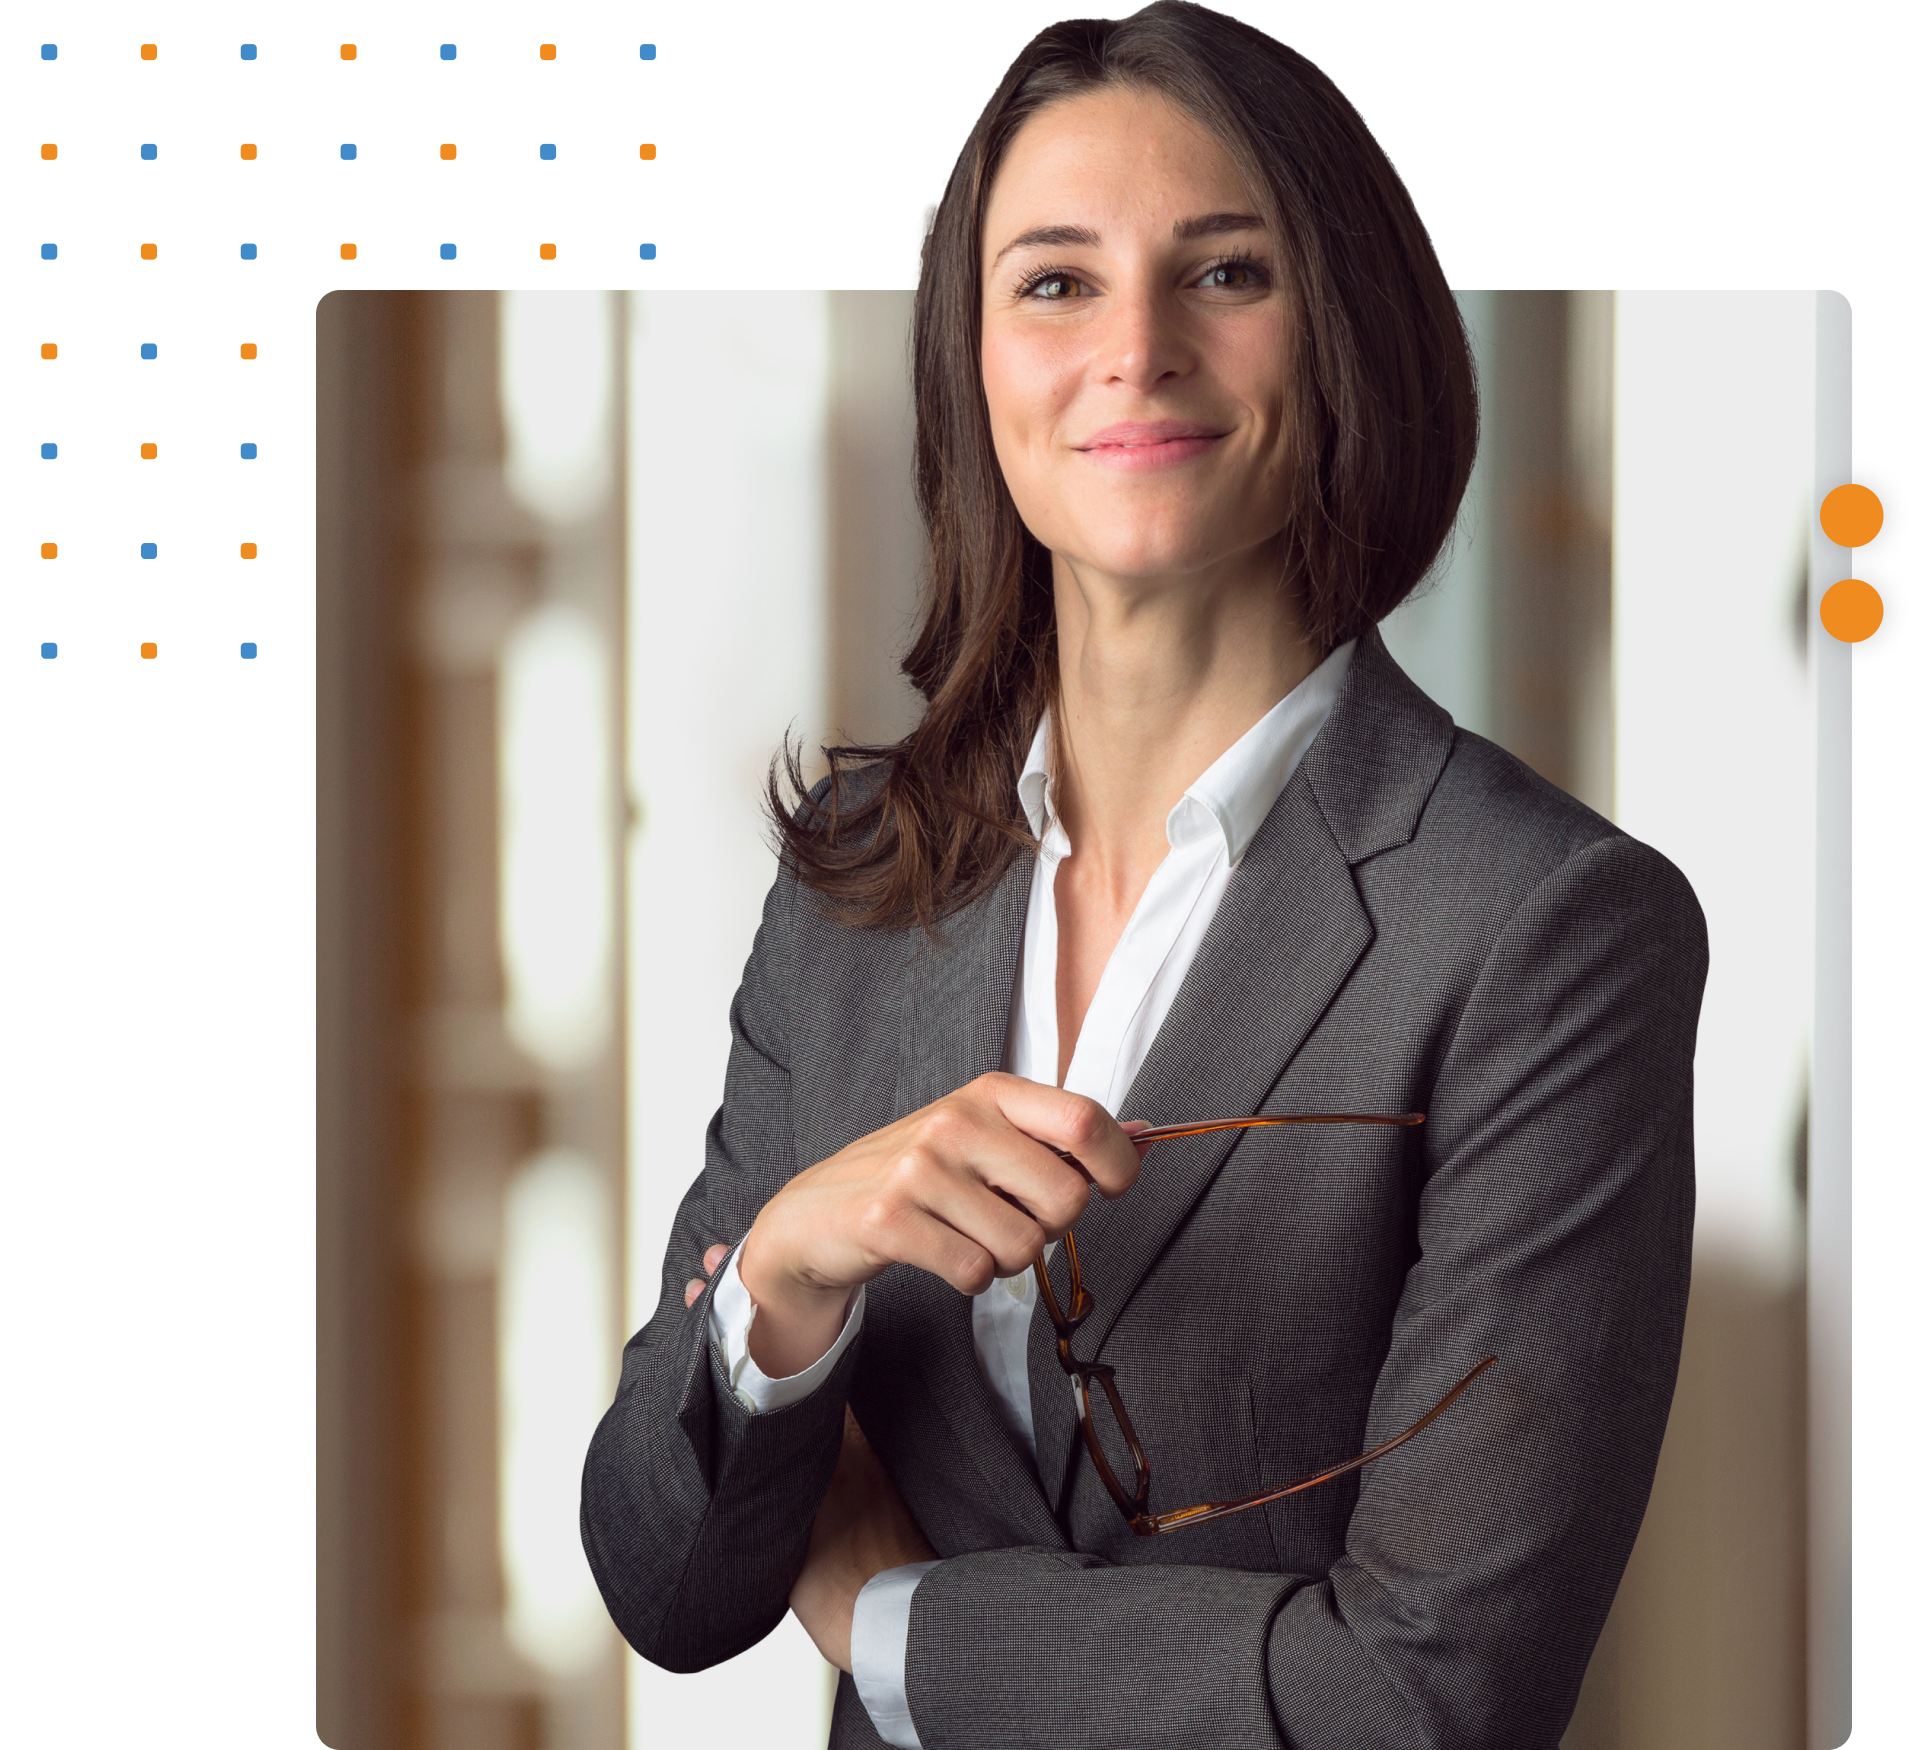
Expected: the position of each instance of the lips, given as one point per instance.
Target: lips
(1140, 434)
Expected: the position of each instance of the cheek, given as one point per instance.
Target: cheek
(1025, 381)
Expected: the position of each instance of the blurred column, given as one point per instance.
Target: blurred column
(1714, 415)
(877, 546)
(727, 652)
(369, 389)
(1830, 1096)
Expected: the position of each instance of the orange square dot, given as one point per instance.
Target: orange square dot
(249, 350)
(347, 51)
(250, 150)
(48, 350)
(149, 451)
(50, 150)
(148, 251)
(149, 651)
(149, 51)
(547, 252)
(248, 549)
(547, 51)
(447, 151)
(647, 151)
(348, 252)
(49, 550)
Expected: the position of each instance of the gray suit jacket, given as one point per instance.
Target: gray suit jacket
(1421, 924)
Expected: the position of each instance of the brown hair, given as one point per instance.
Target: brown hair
(1385, 431)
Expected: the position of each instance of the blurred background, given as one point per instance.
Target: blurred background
(583, 560)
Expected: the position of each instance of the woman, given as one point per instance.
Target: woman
(1175, 839)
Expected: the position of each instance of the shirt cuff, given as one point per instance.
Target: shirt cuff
(731, 1313)
(878, 1647)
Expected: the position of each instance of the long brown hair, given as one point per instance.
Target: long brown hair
(1384, 434)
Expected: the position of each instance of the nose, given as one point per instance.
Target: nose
(1140, 341)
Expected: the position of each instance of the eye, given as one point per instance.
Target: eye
(1239, 273)
(1053, 286)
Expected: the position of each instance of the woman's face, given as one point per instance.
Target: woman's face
(1135, 342)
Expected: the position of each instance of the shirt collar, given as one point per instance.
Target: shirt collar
(1234, 796)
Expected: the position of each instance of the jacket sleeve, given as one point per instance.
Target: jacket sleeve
(1481, 1559)
(695, 1510)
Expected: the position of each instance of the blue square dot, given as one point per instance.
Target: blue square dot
(347, 151)
(248, 252)
(249, 452)
(447, 251)
(49, 451)
(249, 52)
(447, 51)
(148, 550)
(648, 252)
(150, 152)
(48, 251)
(547, 151)
(48, 52)
(49, 651)
(647, 51)
(249, 652)
(148, 350)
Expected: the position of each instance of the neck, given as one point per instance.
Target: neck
(1158, 680)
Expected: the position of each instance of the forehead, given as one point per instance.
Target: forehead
(1116, 154)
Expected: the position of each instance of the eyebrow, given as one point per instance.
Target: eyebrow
(1080, 236)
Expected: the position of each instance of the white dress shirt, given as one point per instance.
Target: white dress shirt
(1209, 829)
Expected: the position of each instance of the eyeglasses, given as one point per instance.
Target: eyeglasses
(1134, 1503)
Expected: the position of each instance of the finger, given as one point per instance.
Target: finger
(711, 1258)
(1132, 1128)
(1060, 1119)
(972, 1203)
(906, 1233)
(692, 1293)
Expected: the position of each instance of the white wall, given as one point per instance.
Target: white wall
(1714, 422)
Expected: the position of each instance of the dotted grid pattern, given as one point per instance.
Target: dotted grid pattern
(180, 198)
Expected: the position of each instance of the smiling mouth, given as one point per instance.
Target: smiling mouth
(1149, 435)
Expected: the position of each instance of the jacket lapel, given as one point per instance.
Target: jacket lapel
(1290, 929)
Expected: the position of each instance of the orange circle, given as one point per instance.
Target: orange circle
(347, 51)
(48, 350)
(547, 252)
(149, 451)
(1852, 515)
(49, 550)
(50, 150)
(647, 151)
(547, 51)
(248, 549)
(348, 252)
(250, 150)
(149, 51)
(447, 151)
(249, 350)
(149, 651)
(148, 251)
(1851, 610)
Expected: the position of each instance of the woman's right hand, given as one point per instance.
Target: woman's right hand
(968, 1188)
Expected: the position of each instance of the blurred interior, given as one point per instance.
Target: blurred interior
(583, 560)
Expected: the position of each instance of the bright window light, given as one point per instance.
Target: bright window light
(557, 1376)
(557, 387)
(557, 903)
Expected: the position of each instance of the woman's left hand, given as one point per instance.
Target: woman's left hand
(862, 1529)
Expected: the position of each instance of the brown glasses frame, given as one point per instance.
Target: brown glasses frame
(1134, 1503)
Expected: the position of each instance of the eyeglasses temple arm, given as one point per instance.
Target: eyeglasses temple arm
(1218, 1509)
